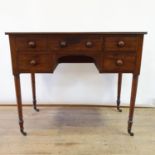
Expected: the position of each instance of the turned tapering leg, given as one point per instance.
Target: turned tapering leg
(19, 103)
(132, 103)
(34, 91)
(119, 91)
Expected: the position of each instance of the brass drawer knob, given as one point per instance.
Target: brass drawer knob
(121, 43)
(63, 44)
(31, 44)
(119, 62)
(89, 44)
(33, 62)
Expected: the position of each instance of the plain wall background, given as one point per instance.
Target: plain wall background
(78, 83)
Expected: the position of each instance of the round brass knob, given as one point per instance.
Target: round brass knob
(121, 43)
(63, 44)
(33, 62)
(119, 62)
(89, 44)
(32, 44)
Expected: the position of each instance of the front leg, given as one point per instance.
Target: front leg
(132, 103)
(19, 103)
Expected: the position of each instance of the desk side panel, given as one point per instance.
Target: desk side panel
(139, 53)
(12, 40)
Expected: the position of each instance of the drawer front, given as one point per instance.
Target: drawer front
(75, 43)
(118, 63)
(119, 43)
(31, 62)
(31, 43)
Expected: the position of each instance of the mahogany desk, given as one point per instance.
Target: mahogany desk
(112, 52)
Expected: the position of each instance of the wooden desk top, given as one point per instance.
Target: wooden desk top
(108, 33)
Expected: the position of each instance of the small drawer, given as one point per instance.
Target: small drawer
(120, 43)
(31, 62)
(75, 43)
(118, 63)
(31, 43)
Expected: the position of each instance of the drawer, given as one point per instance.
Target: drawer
(75, 43)
(120, 43)
(31, 43)
(31, 62)
(118, 63)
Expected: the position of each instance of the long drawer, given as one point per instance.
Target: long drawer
(75, 43)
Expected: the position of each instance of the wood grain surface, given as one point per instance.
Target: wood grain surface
(76, 131)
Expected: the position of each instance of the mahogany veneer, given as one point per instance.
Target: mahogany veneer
(112, 52)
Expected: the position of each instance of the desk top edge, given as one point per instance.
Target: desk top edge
(102, 33)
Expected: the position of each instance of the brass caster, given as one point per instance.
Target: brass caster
(23, 133)
(118, 108)
(36, 109)
(130, 133)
